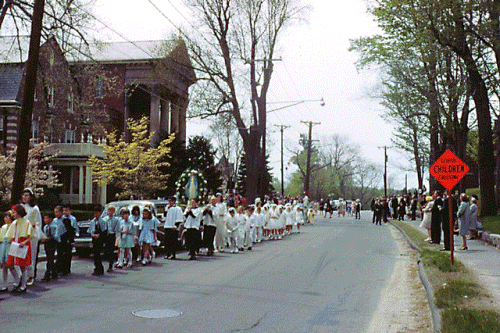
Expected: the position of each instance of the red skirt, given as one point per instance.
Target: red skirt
(25, 262)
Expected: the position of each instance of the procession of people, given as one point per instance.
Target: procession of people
(129, 236)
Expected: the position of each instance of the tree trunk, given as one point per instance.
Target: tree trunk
(418, 162)
(251, 145)
(485, 153)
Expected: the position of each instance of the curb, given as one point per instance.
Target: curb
(491, 239)
(436, 317)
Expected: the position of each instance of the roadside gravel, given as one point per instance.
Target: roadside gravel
(403, 306)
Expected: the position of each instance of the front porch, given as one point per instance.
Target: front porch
(75, 173)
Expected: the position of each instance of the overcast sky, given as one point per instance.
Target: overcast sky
(315, 64)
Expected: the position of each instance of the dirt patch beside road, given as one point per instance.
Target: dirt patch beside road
(403, 305)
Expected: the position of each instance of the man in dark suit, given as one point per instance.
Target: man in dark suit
(436, 218)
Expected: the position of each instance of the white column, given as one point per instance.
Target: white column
(154, 114)
(165, 110)
(80, 185)
(88, 184)
(104, 199)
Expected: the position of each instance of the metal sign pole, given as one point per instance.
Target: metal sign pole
(450, 216)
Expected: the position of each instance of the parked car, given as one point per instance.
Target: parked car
(83, 243)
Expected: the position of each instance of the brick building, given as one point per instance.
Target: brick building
(78, 100)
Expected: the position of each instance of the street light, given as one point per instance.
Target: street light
(293, 103)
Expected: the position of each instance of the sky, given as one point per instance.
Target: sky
(316, 64)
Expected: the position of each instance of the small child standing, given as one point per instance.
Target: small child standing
(50, 243)
(126, 243)
(4, 251)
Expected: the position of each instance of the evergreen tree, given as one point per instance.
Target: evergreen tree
(265, 184)
(242, 175)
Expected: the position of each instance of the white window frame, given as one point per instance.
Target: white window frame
(99, 91)
(50, 96)
(69, 136)
(71, 101)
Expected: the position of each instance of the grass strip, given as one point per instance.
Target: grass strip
(455, 292)
(453, 297)
(455, 320)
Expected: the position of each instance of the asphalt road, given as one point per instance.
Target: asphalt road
(328, 278)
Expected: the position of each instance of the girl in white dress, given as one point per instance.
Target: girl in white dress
(426, 221)
(232, 229)
(34, 216)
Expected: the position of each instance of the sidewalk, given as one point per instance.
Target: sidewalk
(482, 258)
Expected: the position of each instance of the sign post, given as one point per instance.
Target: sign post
(448, 171)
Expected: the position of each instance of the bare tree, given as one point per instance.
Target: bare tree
(235, 59)
(67, 20)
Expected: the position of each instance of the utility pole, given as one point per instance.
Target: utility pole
(282, 128)
(385, 171)
(24, 126)
(309, 151)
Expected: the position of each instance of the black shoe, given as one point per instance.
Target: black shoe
(110, 269)
(98, 273)
(46, 279)
(443, 249)
(250, 248)
(192, 258)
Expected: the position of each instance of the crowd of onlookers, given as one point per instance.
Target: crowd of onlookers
(433, 210)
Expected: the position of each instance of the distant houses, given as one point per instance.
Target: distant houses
(78, 99)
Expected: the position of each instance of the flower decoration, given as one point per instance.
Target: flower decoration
(191, 184)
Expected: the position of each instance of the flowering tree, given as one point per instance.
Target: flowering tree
(132, 167)
(38, 175)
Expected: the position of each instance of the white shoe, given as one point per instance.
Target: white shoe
(154, 255)
(144, 262)
(138, 259)
(129, 264)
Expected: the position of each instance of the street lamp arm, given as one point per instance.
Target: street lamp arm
(293, 103)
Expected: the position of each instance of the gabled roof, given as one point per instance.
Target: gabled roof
(11, 76)
(128, 51)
